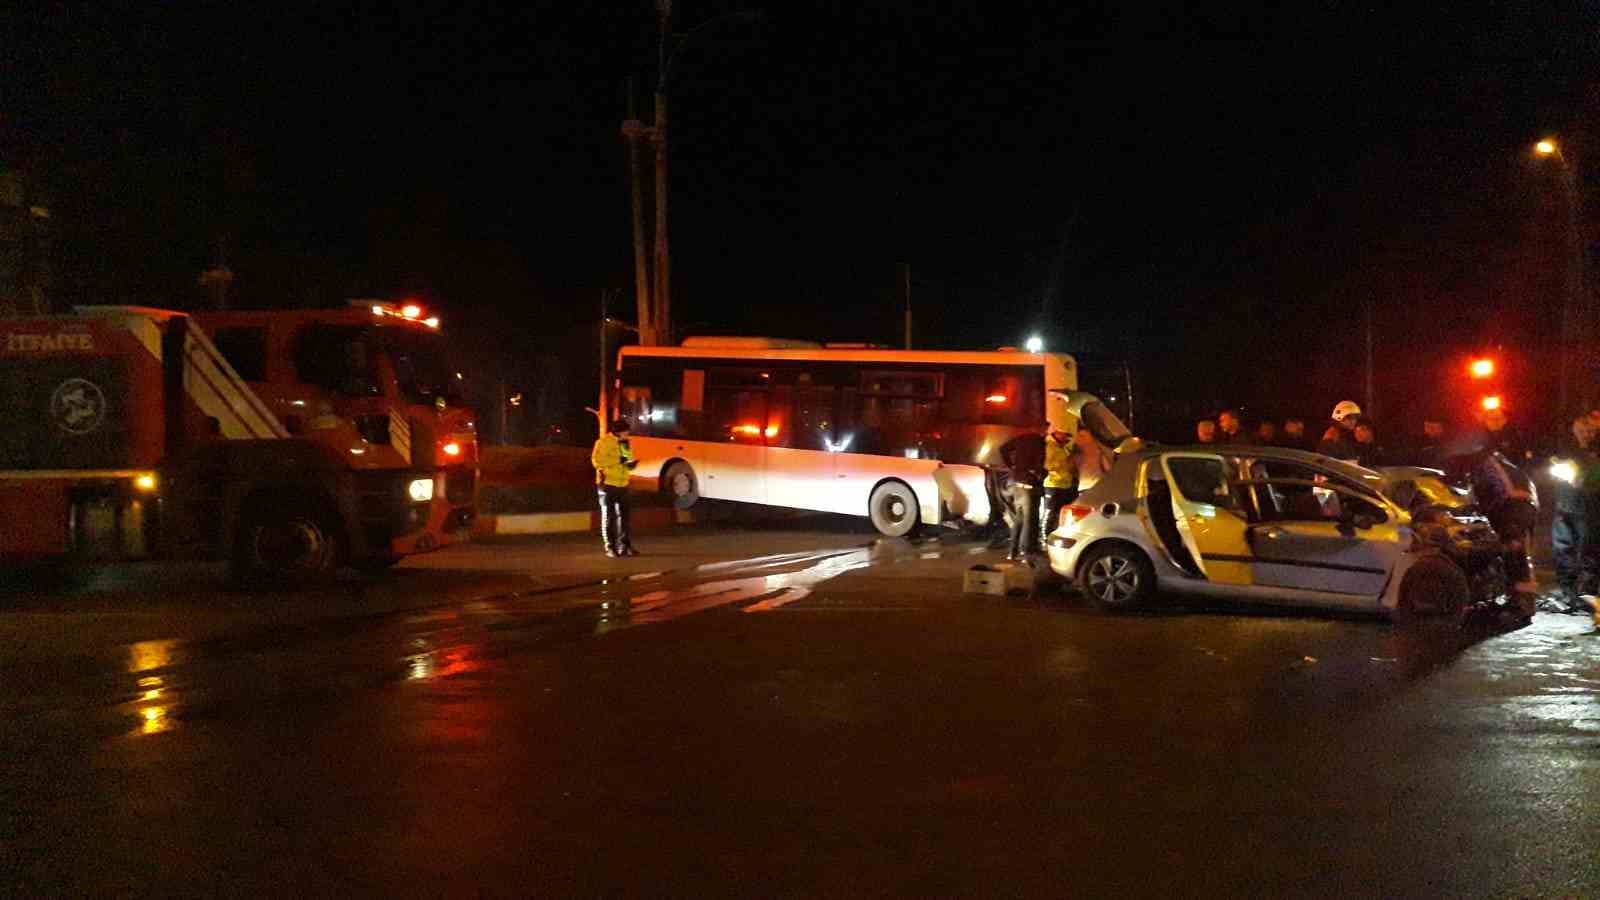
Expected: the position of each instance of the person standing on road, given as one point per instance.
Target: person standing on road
(1368, 453)
(1294, 434)
(1337, 440)
(1060, 477)
(613, 462)
(1024, 458)
(1576, 474)
(1432, 452)
(1230, 430)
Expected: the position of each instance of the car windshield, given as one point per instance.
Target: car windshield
(421, 368)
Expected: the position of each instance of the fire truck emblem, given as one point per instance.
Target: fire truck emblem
(78, 406)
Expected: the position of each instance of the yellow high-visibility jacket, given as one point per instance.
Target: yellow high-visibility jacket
(612, 459)
(1060, 469)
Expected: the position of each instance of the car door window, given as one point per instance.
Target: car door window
(1287, 491)
(1202, 480)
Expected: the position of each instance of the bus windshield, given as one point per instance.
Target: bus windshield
(421, 367)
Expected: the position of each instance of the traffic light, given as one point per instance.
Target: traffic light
(1482, 367)
(1490, 403)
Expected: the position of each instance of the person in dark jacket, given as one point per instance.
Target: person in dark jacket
(1505, 493)
(1576, 477)
(1294, 434)
(1230, 430)
(1368, 452)
(1432, 451)
(1338, 440)
(1024, 459)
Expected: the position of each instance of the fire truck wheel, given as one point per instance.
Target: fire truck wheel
(286, 544)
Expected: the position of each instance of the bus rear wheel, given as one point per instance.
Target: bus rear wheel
(678, 482)
(893, 509)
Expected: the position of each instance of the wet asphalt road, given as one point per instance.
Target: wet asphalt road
(777, 713)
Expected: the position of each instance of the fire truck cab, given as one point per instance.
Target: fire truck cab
(287, 441)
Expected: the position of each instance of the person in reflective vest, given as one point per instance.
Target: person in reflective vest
(613, 461)
(1060, 478)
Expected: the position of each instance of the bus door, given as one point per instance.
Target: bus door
(803, 447)
(735, 463)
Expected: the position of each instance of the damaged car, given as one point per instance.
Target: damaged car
(1273, 526)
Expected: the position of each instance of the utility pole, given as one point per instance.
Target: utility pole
(905, 294)
(1371, 409)
(633, 131)
(601, 404)
(663, 285)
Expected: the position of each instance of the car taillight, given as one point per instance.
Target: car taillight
(1072, 515)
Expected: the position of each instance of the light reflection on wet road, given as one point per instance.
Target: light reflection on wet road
(546, 743)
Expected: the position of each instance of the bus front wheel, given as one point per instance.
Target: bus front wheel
(679, 483)
(893, 509)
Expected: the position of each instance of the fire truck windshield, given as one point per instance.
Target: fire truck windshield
(421, 368)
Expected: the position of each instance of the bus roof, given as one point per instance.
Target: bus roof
(970, 357)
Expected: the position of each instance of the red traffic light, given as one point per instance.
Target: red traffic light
(1482, 367)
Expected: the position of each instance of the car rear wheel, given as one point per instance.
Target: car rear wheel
(1117, 576)
(679, 483)
(893, 509)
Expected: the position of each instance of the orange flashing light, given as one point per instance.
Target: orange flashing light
(431, 321)
(752, 430)
(411, 311)
(1491, 403)
(451, 449)
(772, 431)
(1482, 368)
(996, 398)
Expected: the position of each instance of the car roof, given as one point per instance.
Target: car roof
(1285, 454)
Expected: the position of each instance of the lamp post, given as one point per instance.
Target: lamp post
(1572, 282)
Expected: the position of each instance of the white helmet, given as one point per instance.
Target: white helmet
(1344, 410)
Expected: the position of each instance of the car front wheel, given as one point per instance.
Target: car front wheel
(1117, 576)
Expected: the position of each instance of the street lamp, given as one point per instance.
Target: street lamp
(1034, 344)
(1574, 322)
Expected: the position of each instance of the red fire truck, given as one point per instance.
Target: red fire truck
(288, 442)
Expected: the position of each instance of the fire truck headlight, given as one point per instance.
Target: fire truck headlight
(1564, 470)
(420, 489)
(146, 483)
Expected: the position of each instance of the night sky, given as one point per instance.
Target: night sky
(1213, 191)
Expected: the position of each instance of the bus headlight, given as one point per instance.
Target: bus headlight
(420, 490)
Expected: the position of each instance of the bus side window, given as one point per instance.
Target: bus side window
(813, 422)
(635, 405)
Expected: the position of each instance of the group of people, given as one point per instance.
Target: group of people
(1047, 471)
(1348, 435)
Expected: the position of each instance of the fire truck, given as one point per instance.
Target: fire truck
(289, 442)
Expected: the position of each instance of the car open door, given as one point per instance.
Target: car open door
(1210, 517)
(1322, 537)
